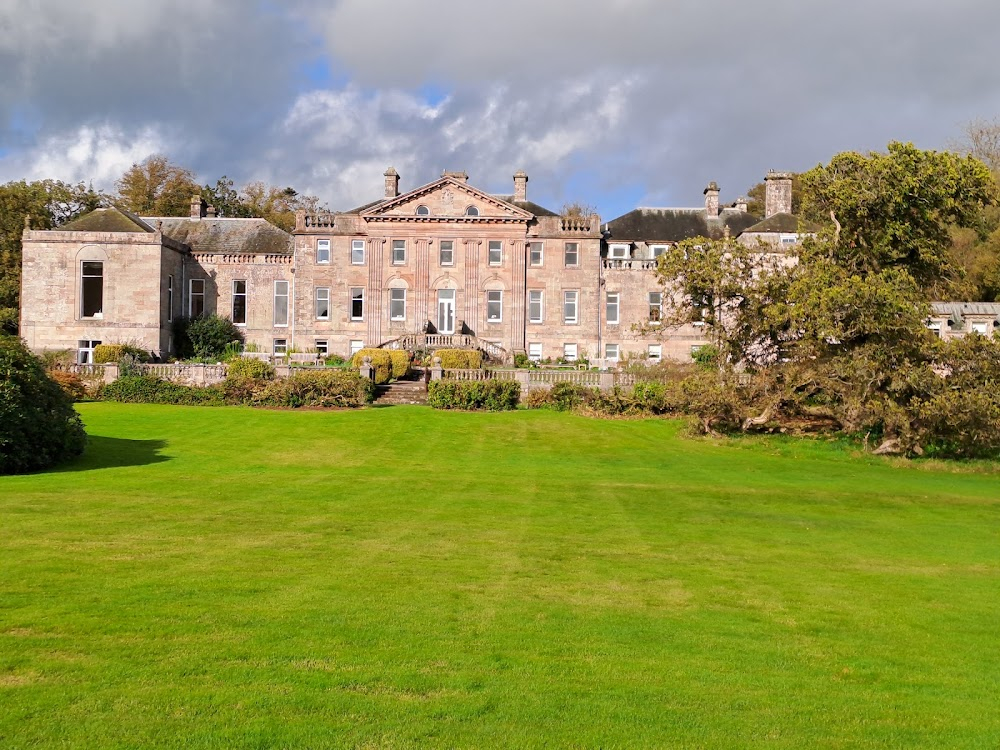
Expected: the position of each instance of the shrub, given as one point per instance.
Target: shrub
(460, 359)
(70, 383)
(105, 353)
(381, 361)
(400, 362)
(472, 395)
(148, 389)
(38, 426)
(334, 360)
(243, 367)
(521, 360)
(57, 359)
(209, 335)
(314, 388)
(567, 396)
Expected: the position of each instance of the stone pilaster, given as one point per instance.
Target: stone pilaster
(518, 301)
(473, 317)
(376, 291)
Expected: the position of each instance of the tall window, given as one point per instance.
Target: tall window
(494, 306)
(170, 298)
(196, 298)
(536, 311)
(322, 251)
(357, 252)
(240, 302)
(655, 307)
(281, 303)
(398, 252)
(571, 303)
(322, 303)
(535, 351)
(447, 251)
(92, 289)
(397, 304)
(495, 252)
(571, 254)
(357, 303)
(611, 306)
(535, 253)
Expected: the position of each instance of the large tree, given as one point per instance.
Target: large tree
(46, 204)
(155, 187)
(258, 200)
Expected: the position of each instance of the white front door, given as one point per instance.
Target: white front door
(446, 311)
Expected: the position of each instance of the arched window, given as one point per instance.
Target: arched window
(423, 211)
(472, 211)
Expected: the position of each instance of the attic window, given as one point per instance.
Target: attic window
(423, 211)
(618, 251)
(472, 211)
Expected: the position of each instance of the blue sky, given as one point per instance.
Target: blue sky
(616, 104)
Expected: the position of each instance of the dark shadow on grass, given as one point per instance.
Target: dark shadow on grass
(109, 453)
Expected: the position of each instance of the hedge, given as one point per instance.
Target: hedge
(149, 389)
(400, 362)
(325, 388)
(244, 367)
(105, 353)
(460, 359)
(381, 362)
(474, 395)
(38, 426)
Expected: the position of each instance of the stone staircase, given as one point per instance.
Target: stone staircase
(401, 392)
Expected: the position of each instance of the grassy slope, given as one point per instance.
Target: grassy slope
(400, 577)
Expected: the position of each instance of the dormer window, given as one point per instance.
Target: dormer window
(423, 211)
(472, 211)
(618, 252)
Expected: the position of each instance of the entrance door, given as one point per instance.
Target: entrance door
(446, 311)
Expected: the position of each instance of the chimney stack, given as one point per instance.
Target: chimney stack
(777, 193)
(712, 200)
(210, 212)
(459, 176)
(197, 207)
(741, 204)
(391, 183)
(520, 186)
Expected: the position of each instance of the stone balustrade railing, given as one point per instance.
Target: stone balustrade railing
(415, 341)
(626, 264)
(577, 223)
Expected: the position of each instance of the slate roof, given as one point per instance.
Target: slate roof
(783, 223)
(529, 206)
(225, 236)
(957, 310)
(676, 224)
(107, 220)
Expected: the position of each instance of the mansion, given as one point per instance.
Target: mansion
(443, 259)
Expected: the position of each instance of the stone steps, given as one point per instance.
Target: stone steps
(401, 392)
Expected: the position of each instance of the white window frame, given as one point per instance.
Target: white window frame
(540, 301)
(98, 314)
(85, 351)
(356, 346)
(571, 352)
(322, 251)
(654, 352)
(170, 298)
(978, 326)
(279, 285)
(616, 304)
(575, 263)
(422, 210)
(532, 246)
(322, 294)
(535, 351)
(357, 252)
(354, 297)
(471, 211)
(279, 347)
(494, 305)
(244, 295)
(450, 250)
(192, 294)
(655, 308)
(612, 352)
(494, 248)
(399, 245)
(571, 297)
(618, 251)
(401, 300)
(323, 347)
(657, 250)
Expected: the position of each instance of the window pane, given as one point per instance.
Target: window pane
(447, 252)
(535, 306)
(496, 253)
(357, 251)
(399, 251)
(535, 351)
(92, 289)
(197, 298)
(572, 254)
(356, 346)
(397, 304)
(535, 254)
(281, 303)
(322, 303)
(323, 251)
(569, 307)
(611, 351)
(322, 347)
(494, 306)
(612, 307)
(357, 303)
(239, 302)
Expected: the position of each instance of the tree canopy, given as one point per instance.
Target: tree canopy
(155, 187)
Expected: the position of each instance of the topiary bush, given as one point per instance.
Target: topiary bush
(381, 361)
(460, 359)
(105, 353)
(473, 395)
(249, 368)
(209, 335)
(400, 363)
(38, 426)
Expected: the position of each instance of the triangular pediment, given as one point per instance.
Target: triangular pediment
(446, 199)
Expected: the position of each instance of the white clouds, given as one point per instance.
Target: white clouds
(98, 154)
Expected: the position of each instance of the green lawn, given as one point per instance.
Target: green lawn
(232, 578)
